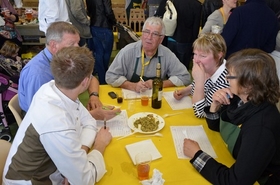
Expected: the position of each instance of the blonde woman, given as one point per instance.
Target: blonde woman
(209, 72)
(219, 17)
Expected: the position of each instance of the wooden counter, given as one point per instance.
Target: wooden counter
(31, 34)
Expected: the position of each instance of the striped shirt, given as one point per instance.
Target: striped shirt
(215, 82)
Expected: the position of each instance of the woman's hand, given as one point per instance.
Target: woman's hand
(220, 97)
(198, 73)
(179, 94)
(190, 147)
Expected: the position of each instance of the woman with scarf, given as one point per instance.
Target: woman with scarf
(247, 118)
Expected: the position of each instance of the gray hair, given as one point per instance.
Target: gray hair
(57, 29)
(155, 21)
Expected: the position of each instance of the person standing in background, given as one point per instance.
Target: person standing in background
(78, 17)
(102, 19)
(274, 5)
(208, 7)
(252, 25)
(219, 17)
(188, 23)
(51, 11)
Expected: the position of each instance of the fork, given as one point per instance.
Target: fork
(185, 134)
(167, 115)
(127, 135)
(151, 135)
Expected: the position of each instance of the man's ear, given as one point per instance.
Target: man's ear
(52, 46)
(85, 81)
(162, 38)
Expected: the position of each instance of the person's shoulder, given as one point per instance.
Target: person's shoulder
(36, 65)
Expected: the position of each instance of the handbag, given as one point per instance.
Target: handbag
(170, 18)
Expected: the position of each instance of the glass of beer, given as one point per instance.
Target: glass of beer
(144, 94)
(28, 13)
(143, 161)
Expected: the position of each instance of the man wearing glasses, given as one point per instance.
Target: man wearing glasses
(138, 61)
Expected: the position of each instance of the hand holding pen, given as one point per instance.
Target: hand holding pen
(140, 85)
(178, 94)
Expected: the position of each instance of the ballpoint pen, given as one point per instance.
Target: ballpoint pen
(141, 79)
(176, 91)
(104, 123)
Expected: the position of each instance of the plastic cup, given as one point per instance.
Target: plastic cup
(28, 13)
(144, 94)
(143, 162)
(131, 98)
(216, 29)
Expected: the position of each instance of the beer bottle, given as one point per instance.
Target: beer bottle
(157, 89)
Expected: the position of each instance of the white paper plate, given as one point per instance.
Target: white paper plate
(134, 117)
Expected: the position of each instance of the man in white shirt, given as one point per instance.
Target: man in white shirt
(50, 11)
(53, 143)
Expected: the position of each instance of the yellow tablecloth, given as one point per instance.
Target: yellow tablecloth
(120, 169)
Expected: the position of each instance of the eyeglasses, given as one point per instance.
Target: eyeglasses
(231, 77)
(154, 34)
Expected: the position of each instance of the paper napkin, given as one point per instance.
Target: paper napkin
(143, 146)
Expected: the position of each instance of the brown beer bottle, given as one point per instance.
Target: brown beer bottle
(157, 89)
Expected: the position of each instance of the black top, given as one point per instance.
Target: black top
(257, 148)
(101, 13)
(188, 19)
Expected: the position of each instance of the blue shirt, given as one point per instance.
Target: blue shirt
(36, 73)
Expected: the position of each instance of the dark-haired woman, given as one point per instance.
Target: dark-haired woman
(247, 118)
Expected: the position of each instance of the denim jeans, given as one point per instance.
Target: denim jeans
(103, 40)
(183, 51)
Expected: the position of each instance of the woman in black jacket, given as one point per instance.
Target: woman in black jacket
(248, 121)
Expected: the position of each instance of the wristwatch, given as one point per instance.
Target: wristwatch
(94, 94)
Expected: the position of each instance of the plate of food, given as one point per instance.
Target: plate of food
(146, 122)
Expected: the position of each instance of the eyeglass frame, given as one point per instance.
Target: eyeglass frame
(153, 34)
(229, 77)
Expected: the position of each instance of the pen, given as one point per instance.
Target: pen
(141, 79)
(104, 123)
(176, 91)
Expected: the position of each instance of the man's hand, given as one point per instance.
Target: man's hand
(94, 103)
(100, 113)
(140, 85)
(103, 138)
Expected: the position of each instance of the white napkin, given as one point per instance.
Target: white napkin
(155, 180)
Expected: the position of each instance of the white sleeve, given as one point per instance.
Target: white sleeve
(64, 148)
(18, 3)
